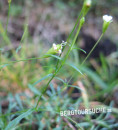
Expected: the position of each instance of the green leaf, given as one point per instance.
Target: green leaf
(74, 67)
(114, 126)
(1, 124)
(19, 101)
(12, 124)
(52, 88)
(109, 113)
(50, 55)
(25, 32)
(3, 66)
(49, 93)
(45, 77)
(0, 109)
(35, 91)
(79, 49)
(84, 124)
(104, 65)
(95, 78)
(54, 56)
(60, 80)
(4, 34)
(18, 49)
(73, 86)
(103, 123)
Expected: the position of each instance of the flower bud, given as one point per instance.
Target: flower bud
(107, 20)
(88, 3)
(55, 49)
(82, 21)
(86, 6)
(9, 1)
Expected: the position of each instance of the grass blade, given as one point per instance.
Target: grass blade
(15, 122)
(74, 67)
(45, 77)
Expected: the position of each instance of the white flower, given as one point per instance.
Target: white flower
(60, 51)
(107, 18)
(54, 46)
(57, 48)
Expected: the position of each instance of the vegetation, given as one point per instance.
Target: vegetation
(38, 82)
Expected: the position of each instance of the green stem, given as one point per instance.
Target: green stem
(77, 21)
(58, 69)
(73, 42)
(34, 58)
(11, 62)
(74, 26)
(45, 88)
(92, 49)
(8, 17)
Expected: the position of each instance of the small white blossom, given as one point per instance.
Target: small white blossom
(54, 46)
(57, 48)
(107, 18)
(60, 51)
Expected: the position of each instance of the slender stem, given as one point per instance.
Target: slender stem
(58, 69)
(70, 35)
(45, 88)
(74, 26)
(74, 40)
(8, 17)
(0, 57)
(92, 49)
(11, 62)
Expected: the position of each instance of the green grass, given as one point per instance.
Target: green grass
(46, 84)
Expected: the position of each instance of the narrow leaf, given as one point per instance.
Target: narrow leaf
(19, 101)
(4, 34)
(16, 121)
(3, 66)
(18, 49)
(79, 49)
(25, 32)
(95, 78)
(60, 79)
(35, 91)
(73, 86)
(49, 75)
(50, 55)
(74, 67)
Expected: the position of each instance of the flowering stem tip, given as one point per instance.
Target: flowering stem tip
(107, 20)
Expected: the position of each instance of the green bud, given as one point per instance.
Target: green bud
(88, 3)
(9, 1)
(56, 49)
(86, 6)
(82, 21)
